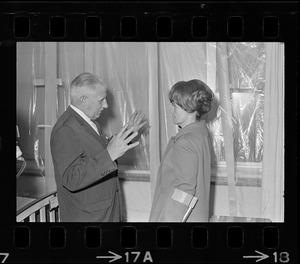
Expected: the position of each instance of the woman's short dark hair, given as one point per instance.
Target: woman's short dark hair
(191, 96)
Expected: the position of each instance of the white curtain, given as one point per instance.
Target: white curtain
(154, 138)
(273, 157)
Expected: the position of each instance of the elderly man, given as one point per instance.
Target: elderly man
(84, 160)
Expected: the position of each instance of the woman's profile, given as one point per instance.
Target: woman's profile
(183, 179)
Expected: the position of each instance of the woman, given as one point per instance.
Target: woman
(184, 174)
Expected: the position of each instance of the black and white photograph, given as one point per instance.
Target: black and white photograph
(150, 132)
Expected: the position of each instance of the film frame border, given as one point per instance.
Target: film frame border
(69, 21)
(249, 235)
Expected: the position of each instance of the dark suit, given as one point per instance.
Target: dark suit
(86, 177)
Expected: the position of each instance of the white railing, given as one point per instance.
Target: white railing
(44, 209)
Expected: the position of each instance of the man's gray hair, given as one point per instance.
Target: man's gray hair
(82, 84)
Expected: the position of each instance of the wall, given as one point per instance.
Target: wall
(137, 200)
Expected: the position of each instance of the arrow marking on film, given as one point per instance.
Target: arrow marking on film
(113, 258)
(261, 257)
(6, 256)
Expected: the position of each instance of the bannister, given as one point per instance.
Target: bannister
(44, 209)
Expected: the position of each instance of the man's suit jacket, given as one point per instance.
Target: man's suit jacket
(184, 172)
(86, 177)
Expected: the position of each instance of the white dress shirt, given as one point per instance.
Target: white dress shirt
(85, 117)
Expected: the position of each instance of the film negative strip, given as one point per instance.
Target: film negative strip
(234, 237)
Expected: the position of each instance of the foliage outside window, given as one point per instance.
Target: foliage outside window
(246, 67)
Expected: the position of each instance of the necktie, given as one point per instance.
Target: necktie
(99, 131)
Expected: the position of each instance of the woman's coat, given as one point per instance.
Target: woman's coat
(184, 173)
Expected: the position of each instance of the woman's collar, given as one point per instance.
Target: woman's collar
(195, 127)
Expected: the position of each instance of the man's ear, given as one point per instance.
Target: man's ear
(83, 100)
